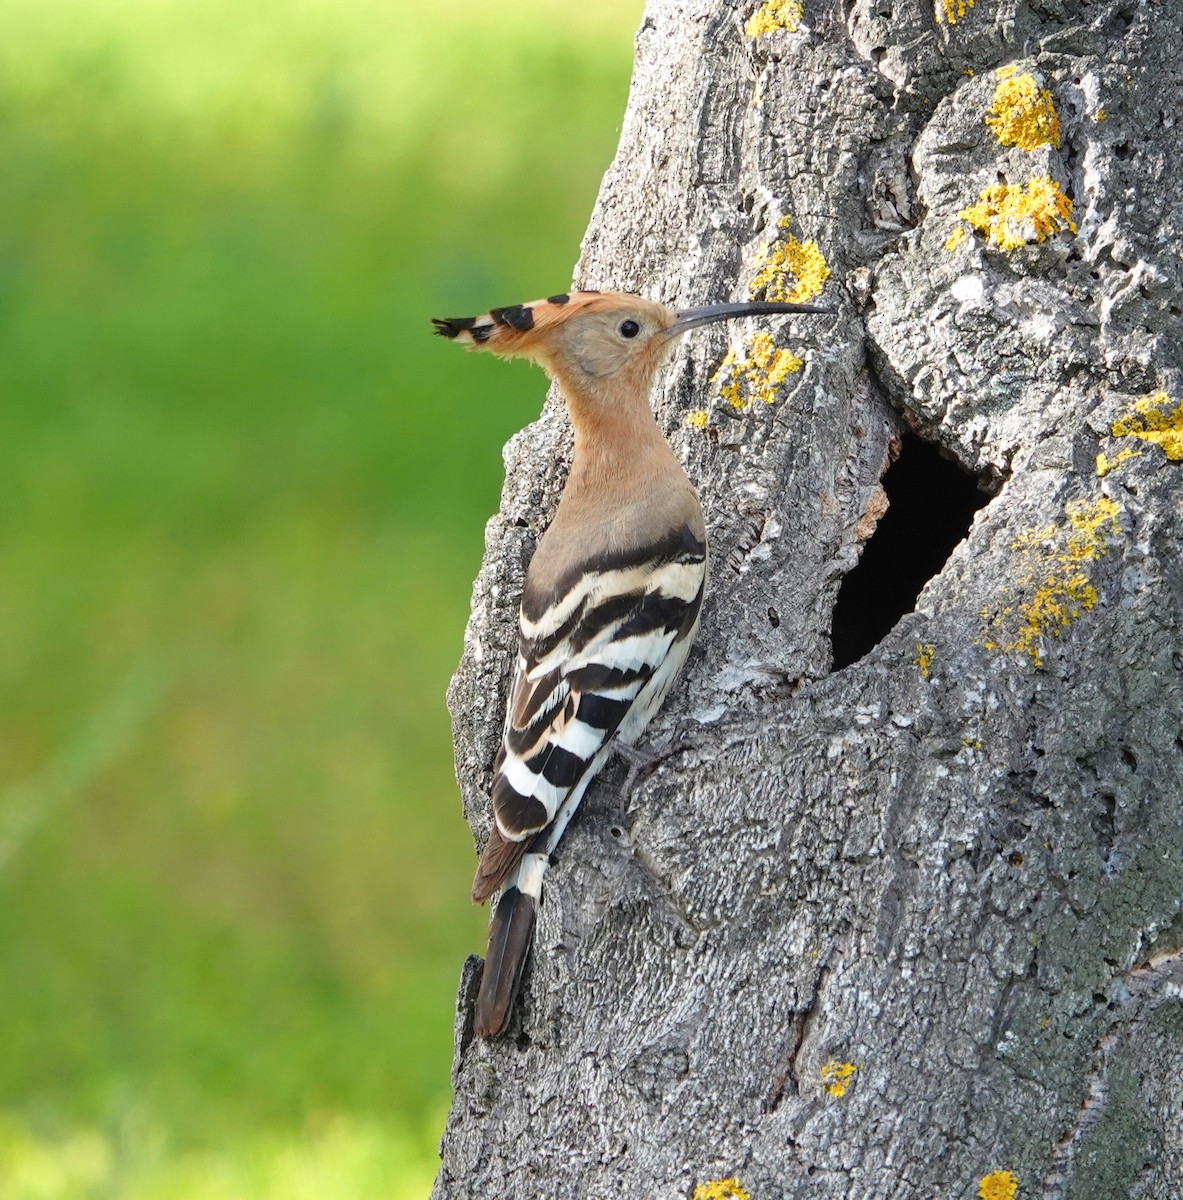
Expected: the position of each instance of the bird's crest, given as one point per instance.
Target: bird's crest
(515, 329)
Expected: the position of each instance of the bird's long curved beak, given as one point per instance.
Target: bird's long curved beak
(691, 317)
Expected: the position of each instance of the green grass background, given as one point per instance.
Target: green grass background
(242, 496)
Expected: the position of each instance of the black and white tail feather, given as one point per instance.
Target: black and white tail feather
(598, 654)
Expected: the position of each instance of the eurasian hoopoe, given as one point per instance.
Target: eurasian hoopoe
(611, 599)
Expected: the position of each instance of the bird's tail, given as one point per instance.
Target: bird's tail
(512, 929)
(510, 935)
(498, 861)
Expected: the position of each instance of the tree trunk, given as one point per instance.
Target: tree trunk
(899, 929)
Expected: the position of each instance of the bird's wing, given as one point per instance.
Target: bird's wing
(582, 664)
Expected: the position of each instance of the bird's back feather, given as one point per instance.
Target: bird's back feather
(585, 657)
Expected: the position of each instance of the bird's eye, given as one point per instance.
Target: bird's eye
(629, 329)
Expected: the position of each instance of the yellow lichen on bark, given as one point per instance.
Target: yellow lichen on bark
(1053, 588)
(999, 1185)
(1009, 216)
(698, 418)
(1105, 464)
(759, 375)
(792, 270)
(836, 1077)
(774, 16)
(953, 10)
(721, 1189)
(1156, 419)
(1024, 115)
(926, 653)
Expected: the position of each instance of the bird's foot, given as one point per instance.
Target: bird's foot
(644, 759)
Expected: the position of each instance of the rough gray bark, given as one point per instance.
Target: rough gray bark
(962, 878)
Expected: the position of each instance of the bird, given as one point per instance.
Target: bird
(611, 598)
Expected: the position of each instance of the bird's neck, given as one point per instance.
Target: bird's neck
(625, 488)
(618, 445)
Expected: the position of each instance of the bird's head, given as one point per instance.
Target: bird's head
(595, 342)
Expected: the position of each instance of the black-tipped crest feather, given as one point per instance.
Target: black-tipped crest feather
(451, 327)
(516, 316)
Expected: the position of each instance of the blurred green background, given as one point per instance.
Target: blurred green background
(242, 497)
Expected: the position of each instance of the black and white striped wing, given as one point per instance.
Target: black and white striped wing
(601, 655)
